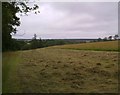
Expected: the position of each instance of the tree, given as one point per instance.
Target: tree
(34, 42)
(105, 39)
(99, 39)
(116, 37)
(110, 38)
(35, 37)
(40, 43)
(10, 21)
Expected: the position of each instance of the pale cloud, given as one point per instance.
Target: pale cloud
(71, 20)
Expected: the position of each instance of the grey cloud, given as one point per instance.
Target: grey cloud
(72, 20)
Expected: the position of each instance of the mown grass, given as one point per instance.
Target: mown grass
(56, 70)
(59, 70)
(96, 46)
(10, 80)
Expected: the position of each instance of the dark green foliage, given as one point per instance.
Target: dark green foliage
(47, 43)
(10, 21)
(26, 47)
(34, 44)
(116, 37)
(105, 39)
(39, 43)
(99, 39)
(110, 38)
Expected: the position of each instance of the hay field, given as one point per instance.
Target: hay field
(55, 70)
(97, 46)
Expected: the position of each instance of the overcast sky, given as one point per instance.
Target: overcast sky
(71, 20)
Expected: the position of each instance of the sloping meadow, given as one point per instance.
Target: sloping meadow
(56, 70)
(51, 70)
(96, 46)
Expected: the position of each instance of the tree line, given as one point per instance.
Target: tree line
(35, 43)
(10, 22)
(109, 38)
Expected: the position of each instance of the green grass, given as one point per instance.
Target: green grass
(56, 70)
(9, 69)
(96, 46)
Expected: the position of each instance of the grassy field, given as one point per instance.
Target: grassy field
(9, 71)
(97, 46)
(53, 70)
